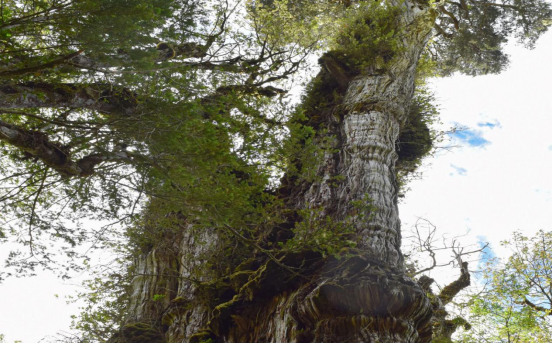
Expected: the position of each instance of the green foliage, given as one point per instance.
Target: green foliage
(196, 141)
(307, 23)
(515, 304)
(367, 39)
(470, 36)
(104, 301)
(191, 141)
(304, 149)
(321, 98)
(158, 297)
(309, 139)
(38, 205)
(36, 33)
(317, 232)
(417, 138)
(185, 140)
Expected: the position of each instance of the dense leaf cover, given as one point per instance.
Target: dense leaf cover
(513, 305)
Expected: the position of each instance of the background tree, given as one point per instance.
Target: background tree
(506, 301)
(514, 303)
(221, 253)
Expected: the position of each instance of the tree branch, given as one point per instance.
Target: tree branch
(454, 19)
(451, 290)
(23, 71)
(536, 307)
(442, 31)
(37, 145)
(100, 97)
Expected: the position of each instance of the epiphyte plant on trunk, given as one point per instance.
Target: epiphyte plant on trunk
(218, 253)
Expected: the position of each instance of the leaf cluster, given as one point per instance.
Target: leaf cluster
(470, 35)
(368, 38)
(515, 302)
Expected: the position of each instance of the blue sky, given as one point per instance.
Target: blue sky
(459, 170)
(493, 177)
(488, 254)
(470, 137)
(490, 125)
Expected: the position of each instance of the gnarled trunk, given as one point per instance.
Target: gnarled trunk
(363, 298)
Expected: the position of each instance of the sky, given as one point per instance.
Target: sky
(498, 180)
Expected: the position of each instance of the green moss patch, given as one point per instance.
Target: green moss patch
(140, 333)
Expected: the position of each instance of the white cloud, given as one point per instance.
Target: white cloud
(469, 137)
(458, 171)
(497, 196)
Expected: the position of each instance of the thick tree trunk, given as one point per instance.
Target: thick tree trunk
(364, 298)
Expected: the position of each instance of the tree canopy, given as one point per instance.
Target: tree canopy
(105, 104)
(512, 302)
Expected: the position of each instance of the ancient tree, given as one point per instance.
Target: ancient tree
(255, 225)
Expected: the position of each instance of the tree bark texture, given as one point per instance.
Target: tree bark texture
(364, 298)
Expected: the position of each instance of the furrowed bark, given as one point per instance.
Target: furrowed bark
(364, 298)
